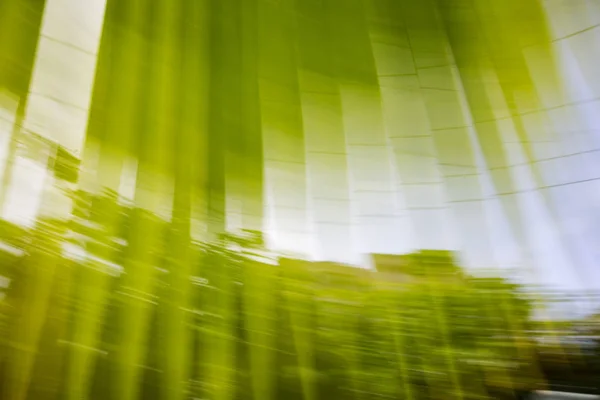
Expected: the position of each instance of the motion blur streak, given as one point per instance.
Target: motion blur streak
(299, 199)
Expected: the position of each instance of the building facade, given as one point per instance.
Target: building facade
(339, 127)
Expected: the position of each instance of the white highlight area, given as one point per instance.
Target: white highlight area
(64, 70)
(24, 196)
(58, 101)
(8, 110)
(548, 395)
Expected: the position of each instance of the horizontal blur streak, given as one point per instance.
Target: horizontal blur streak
(299, 199)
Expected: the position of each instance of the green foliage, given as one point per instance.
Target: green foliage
(295, 329)
(292, 330)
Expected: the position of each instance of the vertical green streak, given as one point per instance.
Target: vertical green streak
(252, 143)
(229, 107)
(400, 347)
(152, 193)
(365, 138)
(20, 23)
(384, 298)
(174, 324)
(112, 121)
(218, 355)
(259, 311)
(285, 158)
(433, 287)
(224, 116)
(197, 116)
(298, 302)
(31, 304)
(352, 54)
(196, 86)
(189, 165)
(300, 316)
(353, 322)
(47, 376)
